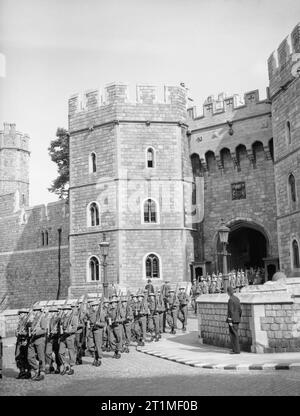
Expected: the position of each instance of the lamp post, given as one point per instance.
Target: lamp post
(104, 246)
(223, 235)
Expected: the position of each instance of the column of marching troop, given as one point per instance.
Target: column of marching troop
(53, 339)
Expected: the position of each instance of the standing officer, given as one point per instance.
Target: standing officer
(52, 341)
(172, 307)
(234, 314)
(37, 344)
(67, 339)
(183, 307)
(149, 287)
(161, 310)
(22, 345)
(165, 293)
(153, 317)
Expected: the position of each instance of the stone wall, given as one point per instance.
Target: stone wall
(213, 328)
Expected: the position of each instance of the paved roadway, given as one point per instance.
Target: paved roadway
(137, 374)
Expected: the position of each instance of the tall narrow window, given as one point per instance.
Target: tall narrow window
(46, 238)
(152, 267)
(43, 238)
(150, 158)
(23, 199)
(292, 186)
(93, 162)
(94, 214)
(296, 259)
(93, 269)
(150, 212)
(288, 132)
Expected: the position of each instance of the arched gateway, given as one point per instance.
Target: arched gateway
(248, 245)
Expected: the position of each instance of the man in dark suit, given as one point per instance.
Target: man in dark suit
(233, 319)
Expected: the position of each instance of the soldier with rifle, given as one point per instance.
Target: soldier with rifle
(37, 343)
(80, 332)
(172, 306)
(165, 288)
(135, 327)
(126, 315)
(52, 341)
(160, 307)
(21, 350)
(143, 312)
(183, 307)
(114, 322)
(97, 319)
(68, 328)
(106, 334)
(153, 317)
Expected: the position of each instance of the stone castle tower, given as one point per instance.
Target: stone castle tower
(129, 174)
(14, 163)
(284, 71)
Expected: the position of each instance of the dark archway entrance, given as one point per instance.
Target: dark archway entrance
(247, 247)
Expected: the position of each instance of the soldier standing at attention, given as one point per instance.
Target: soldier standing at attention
(149, 287)
(153, 317)
(127, 317)
(165, 292)
(22, 346)
(183, 307)
(80, 333)
(67, 340)
(98, 323)
(172, 306)
(114, 322)
(52, 345)
(36, 345)
(143, 311)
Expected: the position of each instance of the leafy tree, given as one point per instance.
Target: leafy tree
(59, 153)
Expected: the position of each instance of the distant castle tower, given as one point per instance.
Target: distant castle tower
(14, 163)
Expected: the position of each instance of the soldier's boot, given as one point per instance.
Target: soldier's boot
(183, 328)
(70, 371)
(98, 362)
(21, 374)
(156, 338)
(27, 375)
(173, 332)
(117, 354)
(40, 376)
(63, 370)
(78, 361)
(126, 349)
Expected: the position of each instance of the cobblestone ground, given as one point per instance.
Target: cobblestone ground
(138, 374)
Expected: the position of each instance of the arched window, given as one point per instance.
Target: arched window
(292, 188)
(211, 161)
(93, 213)
(288, 132)
(152, 267)
(296, 259)
(93, 162)
(150, 211)
(150, 157)
(93, 272)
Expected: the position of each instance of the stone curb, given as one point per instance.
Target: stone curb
(226, 366)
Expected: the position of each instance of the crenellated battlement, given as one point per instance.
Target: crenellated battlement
(227, 104)
(118, 93)
(10, 138)
(284, 62)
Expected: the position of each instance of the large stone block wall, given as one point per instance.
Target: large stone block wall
(29, 269)
(213, 328)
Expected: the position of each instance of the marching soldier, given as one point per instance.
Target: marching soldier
(97, 319)
(80, 334)
(143, 311)
(172, 306)
(114, 322)
(165, 288)
(161, 311)
(52, 341)
(135, 324)
(36, 344)
(68, 329)
(183, 307)
(22, 345)
(127, 318)
(106, 332)
(153, 317)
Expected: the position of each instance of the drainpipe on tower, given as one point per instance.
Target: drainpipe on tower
(59, 271)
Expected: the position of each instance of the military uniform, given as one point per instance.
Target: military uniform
(160, 307)
(165, 288)
(97, 318)
(153, 317)
(80, 335)
(36, 346)
(114, 322)
(67, 340)
(183, 307)
(126, 315)
(172, 311)
(52, 341)
(21, 350)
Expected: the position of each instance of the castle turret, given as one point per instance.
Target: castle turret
(14, 163)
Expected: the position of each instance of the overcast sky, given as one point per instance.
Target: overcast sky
(53, 49)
